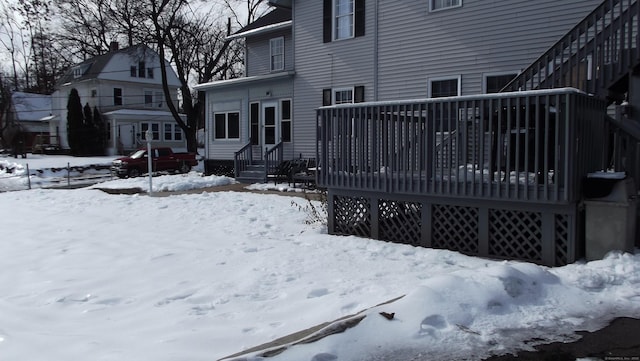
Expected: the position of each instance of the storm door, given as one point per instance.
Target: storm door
(270, 125)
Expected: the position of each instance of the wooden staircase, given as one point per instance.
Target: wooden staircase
(253, 173)
(596, 56)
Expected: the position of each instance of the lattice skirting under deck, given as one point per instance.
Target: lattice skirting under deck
(535, 233)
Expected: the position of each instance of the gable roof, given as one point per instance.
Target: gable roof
(276, 19)
(91, 68)
(31, 107)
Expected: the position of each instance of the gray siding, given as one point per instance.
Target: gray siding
(478, 38)
(257, 55)
(413, 45)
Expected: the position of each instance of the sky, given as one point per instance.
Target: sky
(89, 275)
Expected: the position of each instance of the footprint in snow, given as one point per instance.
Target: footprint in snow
(431, 324)
(319, 292)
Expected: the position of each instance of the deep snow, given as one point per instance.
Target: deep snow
(88, 275)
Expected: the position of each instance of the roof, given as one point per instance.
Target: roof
(248, 79)
(140, 113)
(31, 107)
(276, 19)
(91, 68)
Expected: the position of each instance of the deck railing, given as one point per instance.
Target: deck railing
(595, 55)
(526, 146)
(272, 158)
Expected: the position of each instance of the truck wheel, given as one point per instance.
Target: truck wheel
(134, 172)
(184, 168)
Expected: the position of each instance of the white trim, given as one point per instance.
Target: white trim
(432, 9)
(334, 33)
(248, 79)
(341, 89)
(260, 30)
(272, 54)
(441, 78)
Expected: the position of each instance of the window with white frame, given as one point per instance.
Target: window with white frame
(444, 87)
(285, 120)
(155, 129)
(117, 96)
(277, 53)
(343, 19)
(342, 95)
(435, 5)
(226, 125)
(172, 132)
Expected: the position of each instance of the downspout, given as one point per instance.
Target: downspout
(375, 51)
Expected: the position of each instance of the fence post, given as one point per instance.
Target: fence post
(28, 176)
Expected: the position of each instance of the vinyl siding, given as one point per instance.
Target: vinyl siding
(498, 36)
(258, 52)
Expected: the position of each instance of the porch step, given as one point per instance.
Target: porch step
(253, 174)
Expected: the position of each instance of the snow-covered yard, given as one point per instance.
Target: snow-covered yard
(85, 275)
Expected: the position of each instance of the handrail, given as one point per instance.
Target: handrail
(272, 158)
(593, 56)
(242, 158)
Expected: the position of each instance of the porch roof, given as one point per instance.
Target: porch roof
(140, 114)
(247, 79)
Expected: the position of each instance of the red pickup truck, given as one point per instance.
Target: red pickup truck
(163, 159)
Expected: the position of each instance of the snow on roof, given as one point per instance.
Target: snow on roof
(31, 107)
(247, 79)
(140, 113)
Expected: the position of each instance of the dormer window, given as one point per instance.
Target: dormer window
(77, 72)
(141, 69)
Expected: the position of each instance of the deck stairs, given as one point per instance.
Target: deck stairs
(598, 56)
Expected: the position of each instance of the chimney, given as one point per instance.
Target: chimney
(114, 46)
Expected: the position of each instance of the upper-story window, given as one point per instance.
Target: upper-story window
(277, 54)
(141, 71)
(117, 96)
(343, 22)
(435, 5)
(444, 87)
(77, 72)
(153, 99)
(343, 19)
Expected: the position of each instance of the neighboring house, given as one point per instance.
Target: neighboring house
(30, 112)
(306, 54)
(126, 87)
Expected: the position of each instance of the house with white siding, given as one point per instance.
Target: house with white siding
(125, 85)
(306, 54)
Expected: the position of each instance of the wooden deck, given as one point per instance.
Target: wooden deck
(491, 175)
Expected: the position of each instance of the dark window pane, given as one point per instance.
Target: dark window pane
(134, 71)
(497, 82)
(286, 131)
(141, 69)
(444, 88)
(286, 109)
(220, 126)
(254, 119)
(234, 125)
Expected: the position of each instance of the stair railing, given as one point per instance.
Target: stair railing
(593, 56)
(243, 158)
(272, 158)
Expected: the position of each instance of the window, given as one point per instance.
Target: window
(495, 83)
(226, 125)
(150, 73)
(77, 72)
(285, 120)
(277, 54)
(117, 96)
(134, 71)
(94, 93)
(155, 129)
(444, 87)
(254, 116)
(343, 19)
(342, 96)
(172, 132)
(153, 99)
(141, 69)
(435, 5)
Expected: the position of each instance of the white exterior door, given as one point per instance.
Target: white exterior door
(126, 135)
(270, 125)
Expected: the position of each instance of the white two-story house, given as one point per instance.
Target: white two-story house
(306, 54)
(126, 87)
